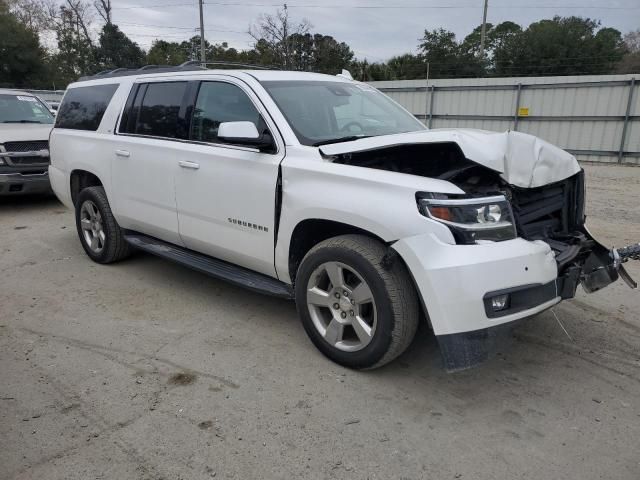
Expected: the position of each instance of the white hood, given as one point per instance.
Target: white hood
(523, 160)
(24, 132)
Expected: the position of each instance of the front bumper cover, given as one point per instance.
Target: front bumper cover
(456, 284)
(24, 184)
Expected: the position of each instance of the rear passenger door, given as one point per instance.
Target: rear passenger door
(226, 193)
(146, 150)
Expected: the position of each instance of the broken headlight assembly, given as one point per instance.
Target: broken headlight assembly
(471, 220)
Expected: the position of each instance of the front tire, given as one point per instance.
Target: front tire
(100, 235)
(359, 310)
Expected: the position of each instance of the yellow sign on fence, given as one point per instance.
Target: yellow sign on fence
(523, 111)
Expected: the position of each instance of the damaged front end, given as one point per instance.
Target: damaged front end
(544, 185)
(508, 178)
(555, 214)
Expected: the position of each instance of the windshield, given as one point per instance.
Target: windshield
(330, 112)
(23, 109)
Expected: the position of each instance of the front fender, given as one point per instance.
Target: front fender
(380, 202)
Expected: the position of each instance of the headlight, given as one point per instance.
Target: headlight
(472, 219)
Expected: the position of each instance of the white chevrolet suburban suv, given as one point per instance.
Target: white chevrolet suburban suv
(323, 190)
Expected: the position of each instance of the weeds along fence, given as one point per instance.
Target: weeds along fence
(596, 118)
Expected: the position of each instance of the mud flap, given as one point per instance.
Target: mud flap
(461, 351)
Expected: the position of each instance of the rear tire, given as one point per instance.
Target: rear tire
(100, 235)
(358, 309)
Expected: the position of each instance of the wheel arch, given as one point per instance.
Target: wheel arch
(309, 232)
(80, 179)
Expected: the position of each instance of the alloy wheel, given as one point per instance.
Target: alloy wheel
(92, 226)
(341, 306)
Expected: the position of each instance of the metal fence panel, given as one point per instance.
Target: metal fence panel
(596, 117)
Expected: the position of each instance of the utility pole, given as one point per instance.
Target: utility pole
(203, 56)
(484, 29)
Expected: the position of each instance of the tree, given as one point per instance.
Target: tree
(329, 55)
(560, 46)
(103, 7)
(34, 14)
(318, 53)
(630, 63)
(446, 57)
(496, 37)
(116, 50)
(407, 67)
(76, 54)
(364, 71)
(21, 53)
(275, 35)
(166, 53)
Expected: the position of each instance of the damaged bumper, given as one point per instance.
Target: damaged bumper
(469, 291)
(455, 281)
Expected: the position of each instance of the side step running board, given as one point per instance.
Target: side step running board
(212, 266)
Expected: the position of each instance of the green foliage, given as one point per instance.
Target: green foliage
(166, 53)
(319, 53)
(446, 57)
(116, 50)
(22, 56)
(560, 46)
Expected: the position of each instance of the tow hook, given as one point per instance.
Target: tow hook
(623, 255)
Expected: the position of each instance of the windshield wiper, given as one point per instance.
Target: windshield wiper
(340, 140)
(21, 121)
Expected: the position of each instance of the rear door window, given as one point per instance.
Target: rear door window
(83, 107)
(159, 111)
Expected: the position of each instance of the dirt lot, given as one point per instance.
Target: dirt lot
(148, 370)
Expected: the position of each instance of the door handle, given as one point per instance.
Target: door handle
(191, 165)
(123, 153)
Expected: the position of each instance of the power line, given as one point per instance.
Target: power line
(380, 7)
(147, 25)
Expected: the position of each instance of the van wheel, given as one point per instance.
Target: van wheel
(359, 310)
(100, 234)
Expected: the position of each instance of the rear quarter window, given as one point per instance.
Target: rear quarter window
(83, 107)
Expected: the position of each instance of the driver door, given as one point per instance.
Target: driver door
(225, 193)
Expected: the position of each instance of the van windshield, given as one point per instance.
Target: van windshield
(23, 109)
(330, 112)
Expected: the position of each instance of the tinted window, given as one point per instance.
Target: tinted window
(160, 109)
(23, 109)
(220, 102)
(82, 108)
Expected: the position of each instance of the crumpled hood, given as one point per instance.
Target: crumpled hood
(522, 160)
(23, 132)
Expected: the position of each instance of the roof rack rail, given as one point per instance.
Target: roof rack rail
(183, 67)
(244, 65)
(123, 72)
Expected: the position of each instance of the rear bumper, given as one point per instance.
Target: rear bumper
(61, 186)
(21, 184)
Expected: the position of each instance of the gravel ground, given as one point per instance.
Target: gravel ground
(147, 370)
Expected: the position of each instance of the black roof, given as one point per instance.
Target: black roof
(192, 65)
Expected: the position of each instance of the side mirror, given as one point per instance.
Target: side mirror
(244, 133)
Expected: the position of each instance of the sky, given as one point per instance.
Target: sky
(375, 30)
